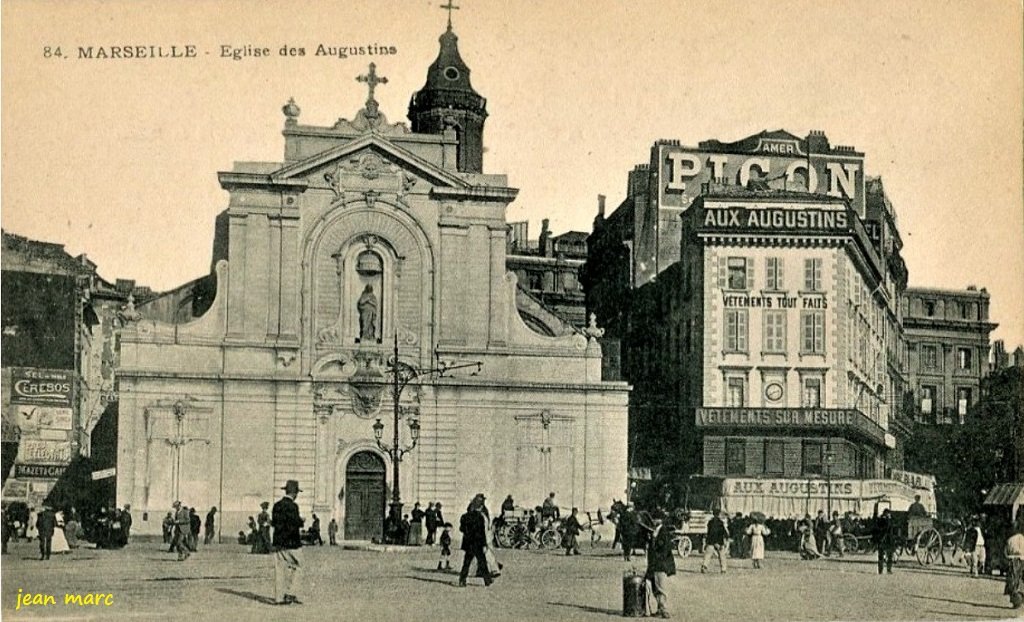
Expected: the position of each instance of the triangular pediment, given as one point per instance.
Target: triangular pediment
(369, 156)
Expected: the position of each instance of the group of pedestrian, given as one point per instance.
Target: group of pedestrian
(409, 529)
(181, 527)
(60, 531)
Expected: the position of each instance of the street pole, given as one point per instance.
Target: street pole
(402, 375)
(828, 476)
(396, 457)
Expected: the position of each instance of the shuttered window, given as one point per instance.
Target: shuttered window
(812, 332)
(774, 331)
(774, 279)
(812, 275)
(736, 330)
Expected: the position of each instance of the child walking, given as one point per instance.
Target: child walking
(446, 548)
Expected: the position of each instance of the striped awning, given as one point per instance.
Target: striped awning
(1006, 494)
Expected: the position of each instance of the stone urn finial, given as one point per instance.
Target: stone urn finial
(291, 112)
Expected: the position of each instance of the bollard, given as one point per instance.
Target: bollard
(634, 595)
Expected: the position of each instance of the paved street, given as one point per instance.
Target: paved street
(225, 582)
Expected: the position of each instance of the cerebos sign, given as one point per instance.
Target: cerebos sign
(49, 387)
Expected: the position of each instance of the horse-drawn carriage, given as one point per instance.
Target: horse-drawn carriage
(691, 529)
(926, 538)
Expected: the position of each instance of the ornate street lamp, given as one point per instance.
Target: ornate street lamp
(401, 375)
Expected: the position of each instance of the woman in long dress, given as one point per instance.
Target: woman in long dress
(757, 532)
(59, 543)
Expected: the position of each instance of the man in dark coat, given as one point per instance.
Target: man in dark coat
(287, 544)
(46, 522)
(714, 543)
(661, 562)
(472, 524)
(126, 521)
(628, 528)
(430, 516)
(571, 531)
(210, 525)
(196, 524)
(885, 540)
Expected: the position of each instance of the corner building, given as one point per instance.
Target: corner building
(756, 288)
(793, 321)
(285, 374)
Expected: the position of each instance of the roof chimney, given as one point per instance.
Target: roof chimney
(545, 237)
(600, 205)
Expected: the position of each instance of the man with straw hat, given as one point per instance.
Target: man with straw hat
(287, 544)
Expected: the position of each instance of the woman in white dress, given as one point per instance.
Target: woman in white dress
(757, 532)
(60, 541)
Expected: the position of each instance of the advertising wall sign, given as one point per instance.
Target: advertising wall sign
(914, 480)
(777, 220)
(827, 418)
(44, 452)
(46, 387)
(792, 487)
(778, 158)
(44, 471)
(31, 418)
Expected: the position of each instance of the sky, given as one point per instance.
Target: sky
(117, 158)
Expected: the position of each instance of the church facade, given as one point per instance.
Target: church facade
(367, 239)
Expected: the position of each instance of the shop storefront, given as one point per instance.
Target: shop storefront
(790, 498)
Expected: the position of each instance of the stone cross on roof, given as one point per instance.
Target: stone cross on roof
(372, 80)
(450, 7)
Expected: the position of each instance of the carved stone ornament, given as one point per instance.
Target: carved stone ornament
(328, 335)
(366, 386)
(334, 183)
(408, 181)
(407, 336)
(592, 331)
(286, 355)
(370, 196)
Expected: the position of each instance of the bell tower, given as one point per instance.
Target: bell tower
(448, 100)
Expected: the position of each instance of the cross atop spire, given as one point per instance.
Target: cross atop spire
(450, 7)
(372, 80)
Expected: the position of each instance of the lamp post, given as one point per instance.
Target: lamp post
(830, 457)
(401, 375)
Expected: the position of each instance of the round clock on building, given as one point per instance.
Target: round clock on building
(773, 392)
(451, 73)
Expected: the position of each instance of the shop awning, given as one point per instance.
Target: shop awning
(1011, 494)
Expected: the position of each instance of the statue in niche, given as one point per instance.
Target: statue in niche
(367, 306)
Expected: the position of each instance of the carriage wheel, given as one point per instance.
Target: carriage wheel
(684, 546)
(929, 547)
(850, 543)
(549, 539)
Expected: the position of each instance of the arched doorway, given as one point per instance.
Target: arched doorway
(364, 496)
